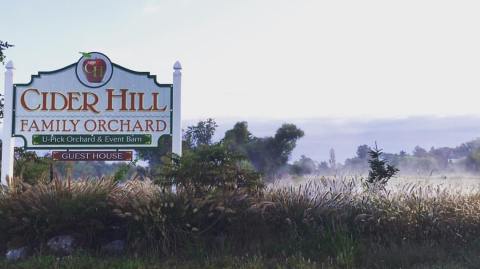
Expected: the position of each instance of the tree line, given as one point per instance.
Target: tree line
(464, 158)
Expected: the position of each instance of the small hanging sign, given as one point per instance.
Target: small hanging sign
(92, 155)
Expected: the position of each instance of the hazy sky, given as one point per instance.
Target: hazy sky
(270, 58)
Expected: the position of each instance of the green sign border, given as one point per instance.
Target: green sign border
(94, 146)
(147, 138)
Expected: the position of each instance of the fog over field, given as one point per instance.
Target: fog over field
(344, 135)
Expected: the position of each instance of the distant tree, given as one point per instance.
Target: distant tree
(323, 167)
(358, 164)
(285, 140)
(267, 154)
(425, 165)
(304, 166)
(466, 149)
(200, 134)
(362, 152)
(332, 161)
(402, 154)
(380, 171)
(237, 138)
(419, 152)
(472, 161)
(441, 155)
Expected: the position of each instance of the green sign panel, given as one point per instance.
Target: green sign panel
(104, 139)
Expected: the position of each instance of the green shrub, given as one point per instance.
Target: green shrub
(31, 168)
(210, 168)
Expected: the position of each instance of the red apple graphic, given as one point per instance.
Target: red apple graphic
(94, 70)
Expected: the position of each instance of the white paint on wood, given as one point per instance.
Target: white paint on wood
(8, 141)
(177, 109)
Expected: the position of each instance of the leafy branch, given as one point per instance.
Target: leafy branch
(4, 46)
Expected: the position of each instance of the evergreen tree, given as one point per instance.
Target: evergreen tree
(380, 171)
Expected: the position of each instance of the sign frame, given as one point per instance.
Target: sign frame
(9, 137)
(73, 65)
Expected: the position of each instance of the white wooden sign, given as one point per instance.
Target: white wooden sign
(90, 104)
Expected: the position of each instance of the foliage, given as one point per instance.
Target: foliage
(328, 221)
(238, 137)
(419, 152)
(31, 168)
(285, 140)
(38, 212)
(333, 160)
(195, 136)
(359, 163)
(380, 171)
(200, 134)
(362, 151)
(156, 156)
(121, 172)
(85, 169)
(3, 46)
(473, 160)
(304, 166)
(422, 162)
(210, 168)
(155, 219)
(268, 154)
(169, 223)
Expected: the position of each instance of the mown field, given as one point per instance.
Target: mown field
(320, 223)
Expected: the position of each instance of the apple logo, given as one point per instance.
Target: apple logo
(94, 69)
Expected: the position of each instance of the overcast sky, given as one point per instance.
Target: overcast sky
(270, 58)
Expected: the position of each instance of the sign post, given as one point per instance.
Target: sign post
(8, 142)
(177, 109)
(92, 104)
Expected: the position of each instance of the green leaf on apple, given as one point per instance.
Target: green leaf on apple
(86, 54)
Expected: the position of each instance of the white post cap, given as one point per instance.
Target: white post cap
(177, 66)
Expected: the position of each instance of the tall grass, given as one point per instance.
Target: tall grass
(332, 221)
(32, 214)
